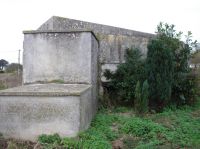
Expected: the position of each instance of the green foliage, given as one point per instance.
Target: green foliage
(97, 137)
(55, 141)
(49, 139)
(93, 139)
(124, 80)
(173, 128)
(160, 71)
(142, 128)
(141, 97)
(186, 91)
(183, 126)
(13, 67)
(121, 109)
(71, 143)
(138, 99)
(101, 124)
(3, 64)
(168, 68)
(145, 97)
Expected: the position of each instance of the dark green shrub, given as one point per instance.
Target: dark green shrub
(141, 97)
(145, 97)
(124, 80)
(168, 68)
(137, 102)
(160, 69)
(186, 92)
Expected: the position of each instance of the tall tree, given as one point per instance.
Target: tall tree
(167, 66)
(3, 64)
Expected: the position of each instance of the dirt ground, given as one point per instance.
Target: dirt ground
(9, 80)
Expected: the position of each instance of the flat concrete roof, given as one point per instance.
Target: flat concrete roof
(50, 89)
(60, 31)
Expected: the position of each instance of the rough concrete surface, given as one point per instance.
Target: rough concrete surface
(113, 41)
(50, 89)
(34, 109)
(28, 116)
(58, 56)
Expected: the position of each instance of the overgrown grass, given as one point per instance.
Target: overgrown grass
(179, 128)
(173, 128)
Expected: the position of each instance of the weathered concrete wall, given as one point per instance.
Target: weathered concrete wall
(66, 56)
(71, 56)
(29, 111)
(113, 40)
(95, 73)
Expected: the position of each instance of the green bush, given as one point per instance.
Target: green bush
(186, 90)
(137, 102)
(168, 68)
(145, 97)
(124, 80)
(160, 72)
(141, 97)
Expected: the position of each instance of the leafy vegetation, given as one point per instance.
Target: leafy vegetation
(141, 97)
(124, 80)
(160, 71)
(13, 67)
(163, 80)
(166, 70)
(172, 128)
(3, 64)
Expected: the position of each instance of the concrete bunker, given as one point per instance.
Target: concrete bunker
(42, 107)
(63, 62)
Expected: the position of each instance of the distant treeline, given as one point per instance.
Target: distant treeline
(9, 68)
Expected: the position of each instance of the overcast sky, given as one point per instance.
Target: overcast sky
(140, 15)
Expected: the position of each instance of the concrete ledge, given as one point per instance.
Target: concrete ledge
(26, 115)
(47, 90)
(61, 31)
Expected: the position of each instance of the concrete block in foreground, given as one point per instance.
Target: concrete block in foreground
(29, 111)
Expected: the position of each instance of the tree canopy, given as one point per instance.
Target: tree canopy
(3, 64)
